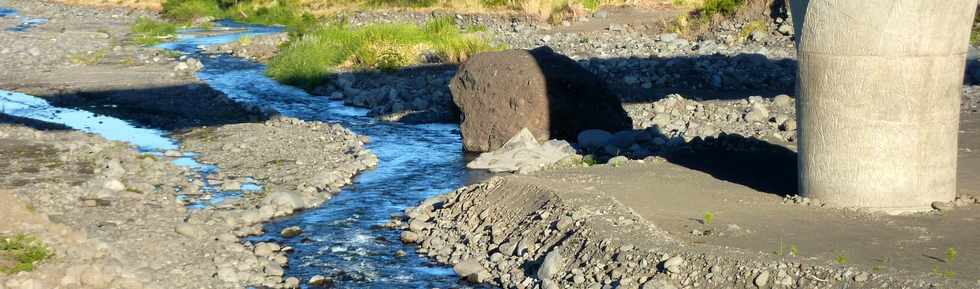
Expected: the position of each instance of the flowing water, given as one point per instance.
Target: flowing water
(343, 239)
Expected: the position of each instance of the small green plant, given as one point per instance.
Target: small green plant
(589, 160)
(87, 58)
(150, 32)
(185, 11)
(793, 250)
(708, 218)
(841, 258)
(171, 53)
(946, 272)
(20, 253)
(951, 255)
(752, 27)
(724, 7)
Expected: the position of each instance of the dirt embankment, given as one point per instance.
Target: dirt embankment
(623, 227)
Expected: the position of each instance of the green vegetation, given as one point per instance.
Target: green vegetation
(724, 7)
(589, 160)
(947, 272)
(185, 11)
(280, 12)
(87, 58)
(709, 218)
(752, 27)
(841, 258)
(20, 253)
(150, 32)
(310, 60)
(793, 250)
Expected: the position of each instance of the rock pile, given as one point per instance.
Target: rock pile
(523, 154)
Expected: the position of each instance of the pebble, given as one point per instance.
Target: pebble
(942, 206)
(674, 264)
(290, 232)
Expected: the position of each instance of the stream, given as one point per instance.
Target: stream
(343, 239)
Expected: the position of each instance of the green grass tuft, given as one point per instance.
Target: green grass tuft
(21, 252)
(150, 32)
(725, 7)
(187, 10)
(308, 61)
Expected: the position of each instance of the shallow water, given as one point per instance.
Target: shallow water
(343, 238)
(26, 22)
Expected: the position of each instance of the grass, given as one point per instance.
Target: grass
(724, 7)
(752, 27)
(150, 32)
(23, 251)
(975, 33)
(708, 218)
(841, 258)
(308, 61)
(87, 58)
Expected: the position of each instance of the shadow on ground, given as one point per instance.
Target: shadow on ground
(165, 107)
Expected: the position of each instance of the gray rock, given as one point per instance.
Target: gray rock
(761, 280)
(409, 237)
(291, 282)
(618, 161)
(551, 265)
(758, 113)
(290, 232)
(189, 230)
(523, 154)
(674, 264)
(785, 29)
(942, 206)
(320, 281)
(658, 283)
(472, 271)
(266, 249)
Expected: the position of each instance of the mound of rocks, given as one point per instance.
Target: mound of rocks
(258, 48)
(500, 93)
(523, 154)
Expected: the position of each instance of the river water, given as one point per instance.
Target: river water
(343, 239)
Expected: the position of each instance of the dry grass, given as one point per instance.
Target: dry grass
(155, 5)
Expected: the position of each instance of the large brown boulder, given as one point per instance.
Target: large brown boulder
(500, 93)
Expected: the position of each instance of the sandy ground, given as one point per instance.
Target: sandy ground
(659, 208)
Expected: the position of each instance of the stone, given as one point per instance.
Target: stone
(618, 161)
(290, 232)
(658, 283)
(762, 279)
(788, 125)
(266, 249)
(942, 206)
(523, 154)
(758, 113)
(291, 282)
(783, 101)
(472, 271)
(320, 281)
(231, 185)
(409, 237)
(862, 277)
(674, 264)
(189, 230)
(785, 29)
(113, 185)
(500, 93)
(551, 265)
